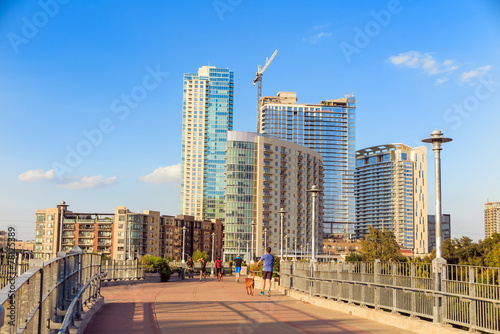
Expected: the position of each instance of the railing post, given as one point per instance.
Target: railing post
(376, 280)
(438, 265)
(40, 307)
(351, 286)
(472, 293)
(412, 284)
(362, 272)
(394, 271)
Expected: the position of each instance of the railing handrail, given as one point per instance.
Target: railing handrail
(69, 313)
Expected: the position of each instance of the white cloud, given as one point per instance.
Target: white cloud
(425, 61)
(441, 80)
(478, 72)
(35, 175)
(163, 175)
(321, 26)
(89, 182)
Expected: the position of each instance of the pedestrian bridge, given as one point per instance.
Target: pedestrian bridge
(191, 306)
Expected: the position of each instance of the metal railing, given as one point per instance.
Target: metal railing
(88, 294)
(35, 302)
(469, 296)
(10, 270)
(118, 270)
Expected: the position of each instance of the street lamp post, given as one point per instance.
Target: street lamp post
(438, 263)
(314, 191)
(295, 241)
(437, 141)
(251, 246)
(265, 239)
(130, 239)
(282, 214)
(183, 250)
(286, 246)
(183, 244)
(213, 248)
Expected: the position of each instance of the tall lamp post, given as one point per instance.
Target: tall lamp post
(265, 239)
(213, 247)
(314, 191)
(438, 263)
(130, 239)
(286, 246)
(437, 141)
(251, 246)
(295, 241)
(282, 214)
(183, 250)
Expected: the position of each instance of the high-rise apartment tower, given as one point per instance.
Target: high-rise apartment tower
(491, 218)
(391, 192)
(207, 115)
(328, 128)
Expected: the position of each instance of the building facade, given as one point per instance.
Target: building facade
(329, 129)
(265, 174)
(491, 218)
(391, 192)
(207, 115)
(445, 229)
(123, 235)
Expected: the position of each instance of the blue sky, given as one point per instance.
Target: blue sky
(105, 79)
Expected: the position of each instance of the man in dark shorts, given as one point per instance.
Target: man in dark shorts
(237, 267)
(203, 269)
(267, 270)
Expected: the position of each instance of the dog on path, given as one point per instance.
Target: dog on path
(250, 284)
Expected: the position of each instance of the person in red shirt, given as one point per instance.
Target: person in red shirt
(218, 267)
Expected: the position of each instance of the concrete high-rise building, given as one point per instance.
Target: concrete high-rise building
(207, 115)
(328, 128)
(491, 218)
(391, 192)
(265, 174)
(445, 229)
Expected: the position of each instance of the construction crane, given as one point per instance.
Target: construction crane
(258, 79)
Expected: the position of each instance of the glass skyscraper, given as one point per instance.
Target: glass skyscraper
(329, 129)
(207, 116)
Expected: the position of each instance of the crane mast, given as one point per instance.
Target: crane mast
(258, 80)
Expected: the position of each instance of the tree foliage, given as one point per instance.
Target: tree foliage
(198, 254)
(466, 252)
(382, 245)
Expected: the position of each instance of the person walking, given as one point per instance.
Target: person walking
(218, 267)
(190, 267)
(203, 268)
(237, 267)
(267, 270)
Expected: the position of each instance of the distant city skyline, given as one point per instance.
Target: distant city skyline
(91, 92)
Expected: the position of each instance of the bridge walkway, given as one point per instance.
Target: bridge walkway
(191, 306)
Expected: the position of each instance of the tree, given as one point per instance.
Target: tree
(199, 254)
(382, 245)
(353, 257)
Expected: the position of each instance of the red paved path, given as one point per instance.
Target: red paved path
(192, 306)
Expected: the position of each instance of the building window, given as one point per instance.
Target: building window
(40, 218)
